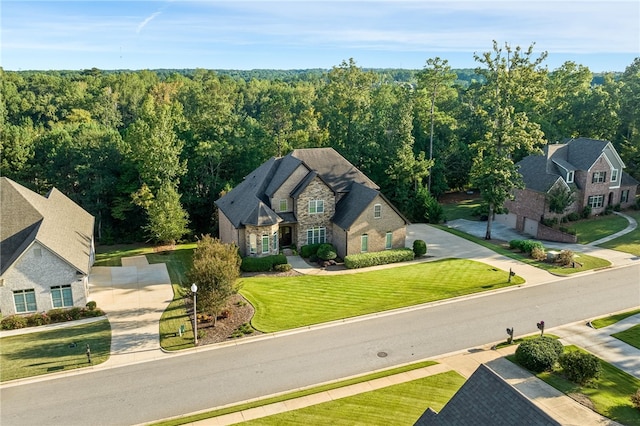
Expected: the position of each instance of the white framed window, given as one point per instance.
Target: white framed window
(570, 176)
(614, 175)
(316, 206)
(364, 243)
(284, 205)
(274, 241)
(596, 201)
(317, 235)
(599, 177)
(265, 244)
(61, 296)
(253, 244)
(624, 196)
(25, 301)
(388, 242)
(377, 211)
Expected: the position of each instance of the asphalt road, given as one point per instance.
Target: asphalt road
(206, 379)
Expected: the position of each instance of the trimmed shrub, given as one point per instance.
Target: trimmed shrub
(635, 399)
(586, 212)
(527, 246)
(309, 250)
(282, 267)
(539, 354)
(37, 319)
(91, 305)
(13, 322)
(580, 367)
(565, 257)
(573, 216)
(326, 251)
(515, 244)
(538, 254)
(363, 260)
(419, 248)
(59, 315)
(262, 264)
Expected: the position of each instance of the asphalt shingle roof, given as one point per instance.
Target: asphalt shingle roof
(486, 399)
(351, 205)
(54, 221)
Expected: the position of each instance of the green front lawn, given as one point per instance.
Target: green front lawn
(628, 243)
(290, 302)
(612, 319)
(596, 227)
(34, 354)
(610, 394)
(630, 336)
(400, 404)
(462, 210)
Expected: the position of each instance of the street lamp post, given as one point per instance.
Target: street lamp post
(194, 290)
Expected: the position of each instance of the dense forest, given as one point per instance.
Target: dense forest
(143, 149)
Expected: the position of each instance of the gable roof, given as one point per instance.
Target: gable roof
(351, 206)
(333, 168)
(54, 221)
(486, 399)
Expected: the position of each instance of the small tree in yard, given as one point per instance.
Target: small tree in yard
(580, 367)
(216, 269)
(419, 248)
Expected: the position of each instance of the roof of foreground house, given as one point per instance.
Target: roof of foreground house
(54, 221)
(248, 203)
(486, 399)
(541, 172)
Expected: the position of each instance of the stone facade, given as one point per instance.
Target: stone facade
(376, 229)
(257, 234)
(38, 269)
(315, 190)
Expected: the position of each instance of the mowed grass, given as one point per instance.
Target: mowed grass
(630, 336)
(35, 354)
(612, 319)
(290, 302)
(597, 227)
(400, 404)
(610, 394)
(461, 210)
(628, 243)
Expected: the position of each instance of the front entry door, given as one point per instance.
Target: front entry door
(285, 236)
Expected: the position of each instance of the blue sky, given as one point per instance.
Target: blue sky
(240, 34)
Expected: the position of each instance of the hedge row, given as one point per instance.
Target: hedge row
(13, 322)
(262, 264)
(526, 246)
(362, 260)
(309, 250)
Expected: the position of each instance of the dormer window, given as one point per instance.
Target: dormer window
(284, 205)
(570, 176)
(614, 175)
(316, 206)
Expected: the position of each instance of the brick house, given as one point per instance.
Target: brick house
(309, 196)
(47, 250)
(591, 169)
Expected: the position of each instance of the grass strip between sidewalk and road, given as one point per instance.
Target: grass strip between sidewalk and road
(52, 351)
(290, 302)
(612, 319)
(630, 336)
(586, 262)
(297, 394)
(610, 394)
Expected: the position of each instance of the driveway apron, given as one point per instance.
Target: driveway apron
(133, 296)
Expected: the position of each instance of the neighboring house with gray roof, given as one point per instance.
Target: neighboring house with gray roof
(487, 399)
(590, 168)
(46, 250)
(309, 196)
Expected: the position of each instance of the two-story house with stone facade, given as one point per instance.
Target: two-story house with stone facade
(46, 250)
(309, 196)
(590, 168)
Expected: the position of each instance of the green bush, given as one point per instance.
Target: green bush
(419, 248)
(13, 322)
(262, 264)
(37, 319)
(326, 251)
(526, 246)
(515, 244)
(91, 305)
(282, 267)
(59, 315)
(309, 250)
(586, 212)
(363, 260)
(539, 354)
(573, 216)
(580, 367)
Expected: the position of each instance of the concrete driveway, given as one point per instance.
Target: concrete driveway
(133, 296)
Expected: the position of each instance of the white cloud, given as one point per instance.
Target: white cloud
(146, 21)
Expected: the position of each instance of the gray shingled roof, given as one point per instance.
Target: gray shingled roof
(583, 152)
(533, 170)
(54, 221)
(351, 205)
(333, 168)
(286, 166)
(486, 399)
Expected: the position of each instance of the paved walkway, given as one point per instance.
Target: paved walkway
(630, 227)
